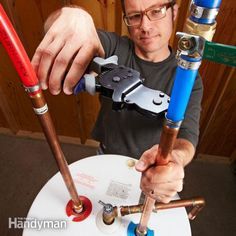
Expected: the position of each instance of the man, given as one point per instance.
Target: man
(70, 44)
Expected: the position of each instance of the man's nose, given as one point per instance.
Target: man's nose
(145, 23)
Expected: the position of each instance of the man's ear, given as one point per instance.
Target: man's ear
(175, 11)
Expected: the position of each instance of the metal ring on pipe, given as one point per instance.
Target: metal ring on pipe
(32, 89)
(41, 110)
(188, 65)
(172, 124)
(204, 13)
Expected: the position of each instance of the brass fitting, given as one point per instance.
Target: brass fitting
(78, 208)
(206, 31)
(109, 217)
(109, 213)
(138, 233)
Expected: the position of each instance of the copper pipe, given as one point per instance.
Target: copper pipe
(21, 62)
(128, 210)
(197, 204)
(38, 102)
(141, 229)
(167, 141)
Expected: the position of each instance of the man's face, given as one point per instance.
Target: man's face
(150, 36)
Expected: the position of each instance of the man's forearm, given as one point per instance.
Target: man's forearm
(184, 150)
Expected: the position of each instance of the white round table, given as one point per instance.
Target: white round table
(108, 178)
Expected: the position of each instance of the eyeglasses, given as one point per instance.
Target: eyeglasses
(152, 14)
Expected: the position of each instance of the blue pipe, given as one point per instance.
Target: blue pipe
(132, 227)
(181, 91)
(209, 4)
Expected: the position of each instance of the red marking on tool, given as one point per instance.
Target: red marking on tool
(87, 209)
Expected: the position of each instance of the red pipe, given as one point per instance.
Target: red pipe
(16, 52)
(21, 62)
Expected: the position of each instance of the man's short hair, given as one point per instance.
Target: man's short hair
(123, 5)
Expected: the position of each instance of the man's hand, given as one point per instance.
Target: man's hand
(164, 181)
(69, 45)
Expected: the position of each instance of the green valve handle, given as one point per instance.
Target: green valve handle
(220, 53)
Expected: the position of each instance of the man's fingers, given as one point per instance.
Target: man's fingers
(47, 60)
(163, 180)
(162, 198)
(169, 172)
(163, 192)
(61, 66)
(38, 53)
(169, 189)
(147, 159)
(100, 51)
(77, 69)
(163, 174)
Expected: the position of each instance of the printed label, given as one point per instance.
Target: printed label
(119, 190)
(86, 180)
